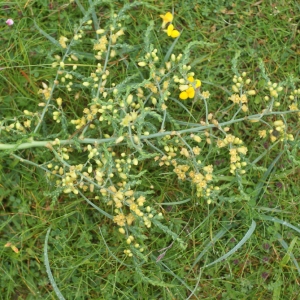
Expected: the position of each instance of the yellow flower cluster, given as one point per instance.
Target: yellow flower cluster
(294, 96)
(89, 115)
(240, 89)
(279, 132)
(237, 99)
(173, 151)
(62, 41)
(20, 125)
(46, 91)
(122, 199)
(236, 149)
(70, 180)
(129, 118)
(171, 31)
(180, 171)
(274, 89)
(188, 85)
(262, 133)
(200, 180)
(188, 90)
(102, 43)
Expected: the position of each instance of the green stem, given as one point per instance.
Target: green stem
(196, 128)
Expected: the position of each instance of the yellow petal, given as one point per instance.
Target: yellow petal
(191, 92)
(175, 34)
(198, 83)
(172, 32)
(168, 17)
(183, 87)
(170, 29)
(183, 95)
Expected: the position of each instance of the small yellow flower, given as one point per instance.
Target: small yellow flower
(262, 133)
(235, 98)
(243, 150)
(198, 82)
(244, 108)
(172, 32)
(62, 41)
(164, 106)
(273, 138)
(141, 200)
(120, 219)
(167, 18)
(196, 150)
(205, 94)
(130, 219)
(208, 169)
(189, 93)
(293, 106)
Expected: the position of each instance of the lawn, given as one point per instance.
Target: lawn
(150, 150)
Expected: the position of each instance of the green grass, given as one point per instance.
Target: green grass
(67, 246)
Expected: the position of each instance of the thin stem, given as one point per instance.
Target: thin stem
(197, 128)
(54, 85)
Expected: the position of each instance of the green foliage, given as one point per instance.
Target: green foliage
(148, 195)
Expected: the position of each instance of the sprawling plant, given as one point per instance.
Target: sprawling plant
(115, 112)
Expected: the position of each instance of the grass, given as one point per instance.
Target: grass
(242, 246)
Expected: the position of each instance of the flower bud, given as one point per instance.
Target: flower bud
(59, 101)
(9, 22)
(129, 99)
(119, 139)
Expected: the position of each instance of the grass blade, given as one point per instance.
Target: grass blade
(48, 270)
(262, 181)
(80, 7)
(289, 254)
(184, 107)
(47, 36)
(96, 207)
(276, 220)
(168, 270)
(170, 51)
(176, 203)
(207, 247)
(239, 245)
